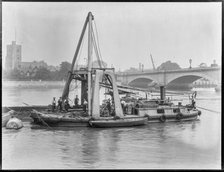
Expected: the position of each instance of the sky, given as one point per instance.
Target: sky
(127, 31)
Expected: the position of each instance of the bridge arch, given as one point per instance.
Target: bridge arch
(142, 82)
(188, 78)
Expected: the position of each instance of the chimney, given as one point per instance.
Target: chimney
(162, 93)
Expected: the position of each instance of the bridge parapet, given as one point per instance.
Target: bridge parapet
(164, 77)
(170, 71)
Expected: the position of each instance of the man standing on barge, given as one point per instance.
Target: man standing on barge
(60, 103)
(76, 101)
(53, 104)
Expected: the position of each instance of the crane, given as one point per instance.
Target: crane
(152, 62)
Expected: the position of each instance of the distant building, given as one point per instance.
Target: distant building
(203, 83)
(168, 65)
(34, 64)
(96, 64)
(214, 64)
(30, 68)
(132, 69)
(13, 56)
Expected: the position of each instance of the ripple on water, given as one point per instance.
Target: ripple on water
(193, 144)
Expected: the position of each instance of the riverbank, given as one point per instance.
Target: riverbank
(33, 84)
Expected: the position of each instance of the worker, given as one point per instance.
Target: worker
(66, 103)
(60, 103)
(109, 106)
(53, 104)
(193, 103)
(76, 101)
(136, 109)
(194, 95)
(168, 99)
(85, 103)
(123, 105)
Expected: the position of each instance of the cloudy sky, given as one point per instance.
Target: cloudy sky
(128, 32)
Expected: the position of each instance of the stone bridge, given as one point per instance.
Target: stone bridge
(171, 77)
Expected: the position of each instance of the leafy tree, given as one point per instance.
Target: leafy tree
(168, 65)
(64, 68)
(12, 74)
(43, 74)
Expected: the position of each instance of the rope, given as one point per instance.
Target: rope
(76, 86)
(38, 115)
(97, 39)
(41, 118)
(96, 50)
(208, 109)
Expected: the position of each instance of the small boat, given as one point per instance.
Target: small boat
(127, 121)
(6, 117)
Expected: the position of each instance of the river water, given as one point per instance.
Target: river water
(188, 145)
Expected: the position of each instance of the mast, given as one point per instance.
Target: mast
(90, 17)
(69, 78)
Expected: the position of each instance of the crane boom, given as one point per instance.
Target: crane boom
(152, 62)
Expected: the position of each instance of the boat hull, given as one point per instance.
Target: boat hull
(51, 120)
(162, 118)
(173, 119)
(122, 122)
(60, 120)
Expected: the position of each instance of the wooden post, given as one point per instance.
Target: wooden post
(89, 64)
(96, 93)
(117, 103)
(83, 91)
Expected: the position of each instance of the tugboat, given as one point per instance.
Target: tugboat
(92, 79)
(163, 110)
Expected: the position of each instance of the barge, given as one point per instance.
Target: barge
(91, 79)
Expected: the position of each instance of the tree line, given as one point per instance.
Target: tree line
(41, 73)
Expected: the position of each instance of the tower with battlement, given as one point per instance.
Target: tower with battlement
(13, 56)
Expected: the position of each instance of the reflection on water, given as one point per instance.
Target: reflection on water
(188, 145)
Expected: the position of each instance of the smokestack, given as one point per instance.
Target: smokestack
(162, 93)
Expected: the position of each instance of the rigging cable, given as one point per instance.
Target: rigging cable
(97, 38)
(208, 109)
(96, 51)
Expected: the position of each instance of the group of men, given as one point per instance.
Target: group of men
(109, 106)
(65, 105)
(60, 104)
